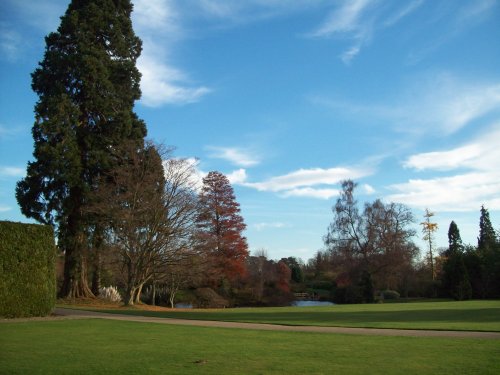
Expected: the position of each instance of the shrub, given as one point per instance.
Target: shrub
(208, 298)
(109, 293)
(27, 270)
(390, 294)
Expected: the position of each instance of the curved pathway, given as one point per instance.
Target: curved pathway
(80, 314)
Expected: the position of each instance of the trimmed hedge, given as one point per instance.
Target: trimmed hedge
(27, 270)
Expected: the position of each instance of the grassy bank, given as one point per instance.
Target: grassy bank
(463, 315)
(103, 347)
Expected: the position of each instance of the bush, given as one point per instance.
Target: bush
(109, 293)
(27, 270)
(208, 298)
(390, 294)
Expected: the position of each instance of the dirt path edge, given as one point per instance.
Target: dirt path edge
(64, 313)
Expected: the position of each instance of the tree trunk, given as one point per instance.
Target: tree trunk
(130, 296)
(153, 292)
(138, 293)
(172, 299)
(75, 283)
(96, 260)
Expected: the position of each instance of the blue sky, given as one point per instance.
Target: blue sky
(288, 98)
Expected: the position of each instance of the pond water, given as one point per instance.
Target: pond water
(294, 304)
(183, 306)
(311, 303)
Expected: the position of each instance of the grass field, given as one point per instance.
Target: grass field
(95, 346)
(463, 315)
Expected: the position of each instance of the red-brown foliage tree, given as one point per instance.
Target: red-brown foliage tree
(219, 229)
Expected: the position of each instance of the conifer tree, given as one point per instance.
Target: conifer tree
(487, 236)
(455, 276)
(488, 248)
(454, 240)
(86, 84)
(219, 229)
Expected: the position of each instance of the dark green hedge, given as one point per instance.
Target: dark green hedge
(27, 270)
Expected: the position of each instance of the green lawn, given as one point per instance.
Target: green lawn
(463, 315)
(94, 346)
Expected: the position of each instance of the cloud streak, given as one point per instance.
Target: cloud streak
(308, 183)
(438, 103)
(8, 171)
(466, 191)
(158, 24)
(236, 156)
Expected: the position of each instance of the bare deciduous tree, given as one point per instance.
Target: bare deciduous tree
(150, 210)
(377, 240)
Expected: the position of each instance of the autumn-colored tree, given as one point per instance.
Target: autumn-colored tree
(284, 275)
(428, 229)
(219, 229)
(377, 240)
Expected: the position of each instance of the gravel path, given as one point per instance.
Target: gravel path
(63, 313)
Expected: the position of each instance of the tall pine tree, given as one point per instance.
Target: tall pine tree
(487, 236)
(488, 248)
(219, 229)
(87, 84)
(456, 281)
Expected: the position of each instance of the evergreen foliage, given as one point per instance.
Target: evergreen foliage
(487, 239)
(488, 248)
(27, 270)
(86, 84)
(454, 240)
(456, 282)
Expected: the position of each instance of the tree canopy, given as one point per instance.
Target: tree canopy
(86, 84)
(220, 227)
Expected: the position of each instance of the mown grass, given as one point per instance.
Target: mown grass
(95, 346)
(461, 316)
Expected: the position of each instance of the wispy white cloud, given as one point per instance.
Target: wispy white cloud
(159, 24)
(310, 183)
(5, 208)
(399, 14)
(347, 21)
(237, 12)
(481, 154)
(444, 160)
(309, 177)
(451, 24)
(11, 43)
(309, 192)
(8, 171)
(474, 11)
(368, 189)
(464, 191)
(437, 103)
(349, 54)
(159, 15)
(238, 176)
(266, 225)
(344, 19)
(163, 84)
(236, 156)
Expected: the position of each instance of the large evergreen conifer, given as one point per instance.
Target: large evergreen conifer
(87, 84)
(455, 276)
